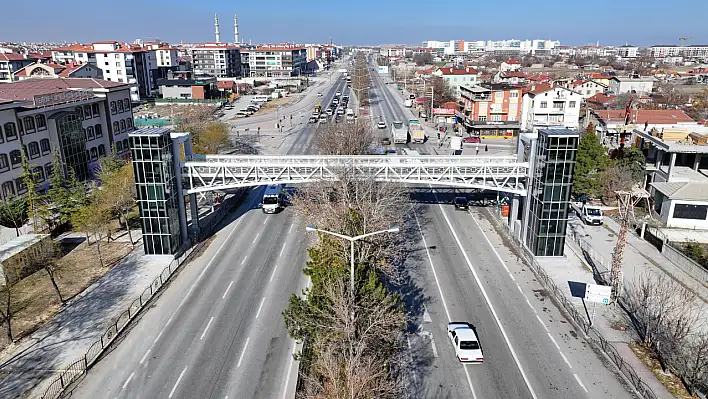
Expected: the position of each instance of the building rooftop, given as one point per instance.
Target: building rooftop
(642, 116)
(669, 146)
(28, 89)
(683, 190)
(558, 132)
(11, 248)
(150, 131)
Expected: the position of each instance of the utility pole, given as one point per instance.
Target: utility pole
(626, 201)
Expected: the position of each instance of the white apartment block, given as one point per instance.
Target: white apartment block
(587, 88)
(626, 84)
(699, 51)
(119, 62)
(628, 51)
(545, 106)
(82, 120)
(277, 61)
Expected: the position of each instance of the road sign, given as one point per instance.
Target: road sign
(598, 293)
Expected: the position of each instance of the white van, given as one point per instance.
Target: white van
(260, 98)
(272, 198)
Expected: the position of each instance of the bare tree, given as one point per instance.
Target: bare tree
(615, 178)
(345, 138)
(692, 362)
(44, 256)
(355, 205)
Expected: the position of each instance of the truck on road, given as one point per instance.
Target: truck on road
(399, 133)
(415, 129)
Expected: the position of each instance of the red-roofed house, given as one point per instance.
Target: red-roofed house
(587, 88)
(510, 66)
(11, 62)
(610, 123)
(601, 101)
(457, 76)
(52, 70)
(510, 77)
(545, 106)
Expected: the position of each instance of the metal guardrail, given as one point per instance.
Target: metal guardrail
(80, 365)
(593, 336)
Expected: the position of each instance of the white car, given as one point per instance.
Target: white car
(381, 125)
(337, 94)
(464, 340)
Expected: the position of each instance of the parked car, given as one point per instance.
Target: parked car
(240, 114)
(313, 119)
(381, 125)
(472, 139)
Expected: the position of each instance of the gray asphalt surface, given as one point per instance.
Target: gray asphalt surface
(464, 272)
(217, 330)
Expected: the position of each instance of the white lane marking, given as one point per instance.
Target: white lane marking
(290, 367)
(255, 239)
(442, 297)
(158, 336)
(435, 275)
(172, 392)
(282, 249)
(291, 228)
(580, 383)
(529, 302)
(227, 289)
(519, 287)
(265, 220)
(169, 320)
(539, 319)
(128, 380)
(259, 307)
(142, 359)
(486, 297)
(554, 341)
(240, 359)
(244, 259)
(432, 343)
(565, 359)
(273, 274)
(206, 328)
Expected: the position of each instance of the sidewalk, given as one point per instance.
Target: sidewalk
(610, 332)
(27, 367)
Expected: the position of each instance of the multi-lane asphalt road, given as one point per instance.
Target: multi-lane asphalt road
(217, 330)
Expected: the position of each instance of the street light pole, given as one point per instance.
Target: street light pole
(351, 240)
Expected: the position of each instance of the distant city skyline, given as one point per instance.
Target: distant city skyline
(636, 22)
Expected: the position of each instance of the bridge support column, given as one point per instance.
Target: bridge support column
(514, 215)
(183, 232)
(195, 214)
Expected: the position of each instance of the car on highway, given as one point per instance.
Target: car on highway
(319, 94)
(240, 114)
(465, 342)
(323, 118)
(461, 203)
(337, 94)
(335, 101)
(381, 125)
(248, 111)
(471, 140)
(313, 119)
(330, 111)
(340, 111)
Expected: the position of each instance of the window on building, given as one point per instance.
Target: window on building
(49, 170)
(116, 128)
(8, 189)
(44, 145)
(94, 110)
(21, 187)
(85, 134)
(99, 130)
(101, 150)
(129, 123)
(496, 117)
(690, 211)
(120, 106)
(87, 111)
(544, 104)
(559, 105)
(94, 154)
(33, 149)
(483, 118)
(113, 107)
(4, 164)
(80, 111)
(571, 104)
(15, 158)
(29, 124)
(126, 146)
(126, 104)
(119, 146)
(38, 173)
(89, 133)
(122, 125)
(514, 94)
(41, 122)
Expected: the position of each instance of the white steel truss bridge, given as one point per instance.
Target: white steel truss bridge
(203, 173)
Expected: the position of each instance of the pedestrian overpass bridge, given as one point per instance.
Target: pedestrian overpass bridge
(203, 173)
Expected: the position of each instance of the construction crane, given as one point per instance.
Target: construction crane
(683, 40)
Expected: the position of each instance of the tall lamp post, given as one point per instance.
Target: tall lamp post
(351, 240)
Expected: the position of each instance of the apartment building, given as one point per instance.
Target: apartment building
(586, 88)
(277, 61)
(457, 76)
(216, 59)
(13, 62)
(162, 59)
(79, 119)
(118, 62)
(492, 110)
(628, 51)
(545, 105)
(699, 51)
(629, 84)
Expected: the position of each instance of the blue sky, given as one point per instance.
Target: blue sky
(359, 21)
